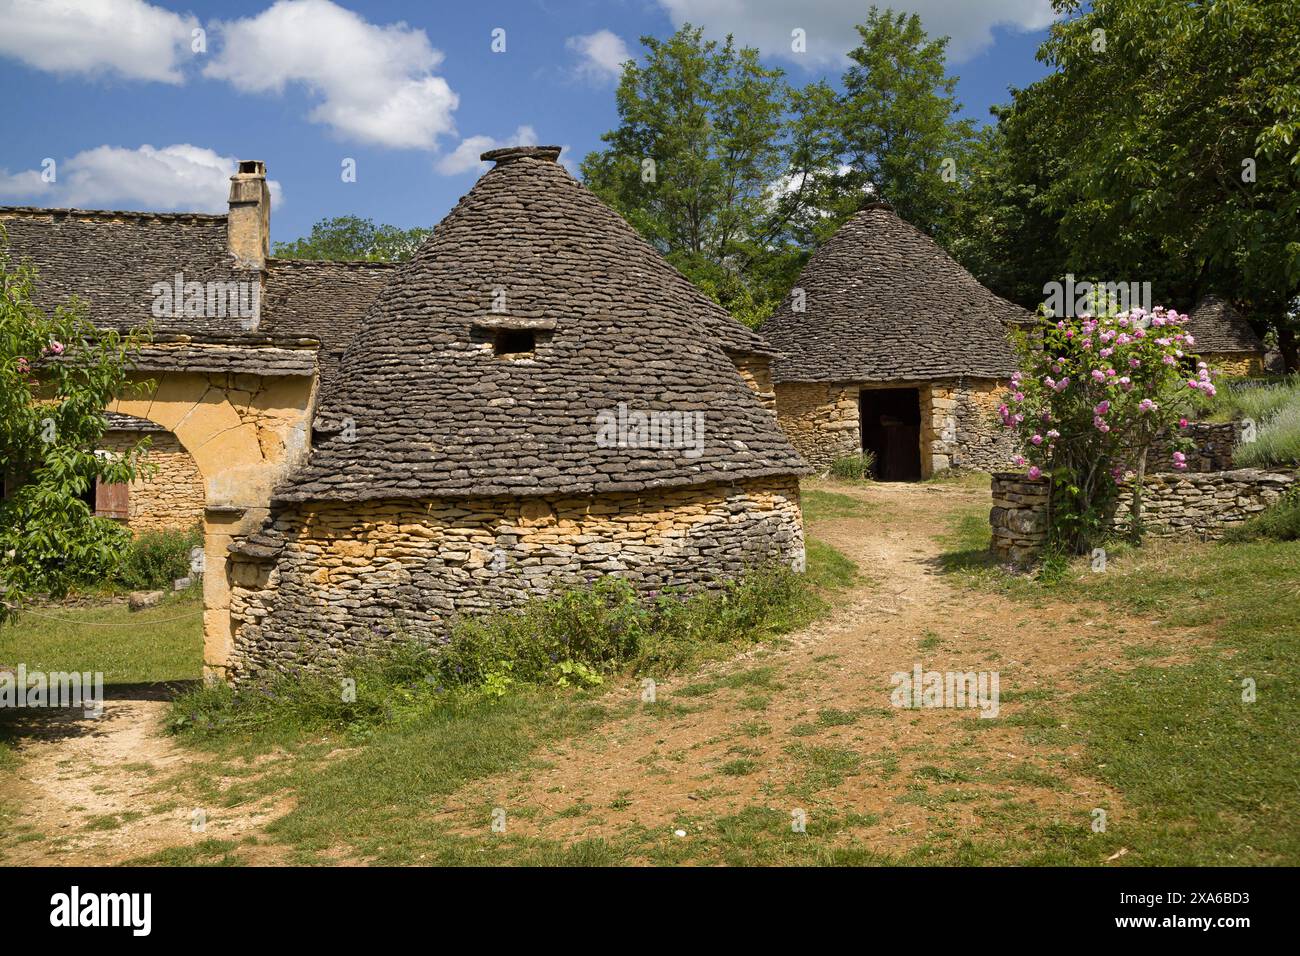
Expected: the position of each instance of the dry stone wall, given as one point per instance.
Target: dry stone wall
(323, 578)
(1204, 504)
(1019, 518)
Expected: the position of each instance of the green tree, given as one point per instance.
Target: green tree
(898, 126)
(697, 164)
(354, 238)
(1166, 145)
(57, 375)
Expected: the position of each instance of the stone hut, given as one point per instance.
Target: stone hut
(888, 345)
(536, 399)
(1224, 339)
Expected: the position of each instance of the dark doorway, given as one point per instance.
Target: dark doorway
(891, 429)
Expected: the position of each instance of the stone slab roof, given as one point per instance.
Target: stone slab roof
(423, 405)
(1218, 327)
(112, 259)
(883, 302)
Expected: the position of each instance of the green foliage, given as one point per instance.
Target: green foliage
(858, 467)
(154, 559)
(1163, 147)
(354, 238)
(57, 375)
(1281, 522)
(1092, 396)
(897, 120)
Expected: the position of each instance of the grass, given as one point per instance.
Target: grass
(1275, 410)
(161, 643)
(819, 505)
(1207, 778)
(407, 743)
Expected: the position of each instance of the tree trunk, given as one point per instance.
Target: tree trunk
(1290, 349)
(1135, 505)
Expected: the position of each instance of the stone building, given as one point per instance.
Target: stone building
(1224, 339)
(234, 364)
(535, 399)
(888, 345)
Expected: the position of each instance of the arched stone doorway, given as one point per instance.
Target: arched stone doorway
(243, 432)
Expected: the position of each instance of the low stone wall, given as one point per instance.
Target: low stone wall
(959, 426)
(1019, 518)
(325, 578)
(1205, 504)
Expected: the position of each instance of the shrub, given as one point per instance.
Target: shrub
(1281, 522)
(1092, 395)
(156, 558)
(1277, 438)
(854, 467)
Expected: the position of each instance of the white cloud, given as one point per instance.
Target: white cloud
(602, 55)
(465, 157)
(129, 38)
(181, 176)
(375, 83)
(767, 24)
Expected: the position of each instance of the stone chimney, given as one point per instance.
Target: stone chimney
(249, 225)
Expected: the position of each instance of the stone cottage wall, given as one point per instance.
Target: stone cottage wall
(172, 498)
(964, 430)
(756, 370)
(959, 426)
(1204, 504)
(820, 419)
(324, 578)
(1235, 364)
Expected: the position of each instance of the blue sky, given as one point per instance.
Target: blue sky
(411, 91)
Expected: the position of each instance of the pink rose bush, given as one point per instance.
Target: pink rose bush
(1092, 395)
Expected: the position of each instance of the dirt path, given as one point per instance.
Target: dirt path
(95, 791)
(811, 727)
(808, 726)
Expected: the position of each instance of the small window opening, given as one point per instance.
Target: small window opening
(514, 343)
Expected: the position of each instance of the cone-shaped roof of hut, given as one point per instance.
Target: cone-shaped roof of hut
(1218, 327)
(437, 396)
(883, 302)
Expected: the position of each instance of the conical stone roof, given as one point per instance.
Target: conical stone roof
(423, 406)
(1218, 327)
(883, 302)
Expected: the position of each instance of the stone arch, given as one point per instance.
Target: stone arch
(243, 432)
